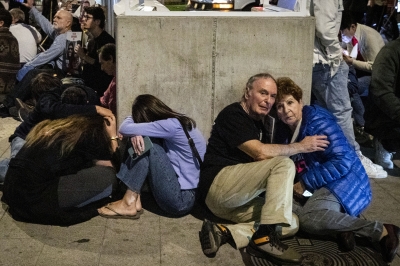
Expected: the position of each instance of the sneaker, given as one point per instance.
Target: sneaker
(23, 114)
(269, 247)
(346, 241)
(382, 156)
(373, 170)
(212, 236)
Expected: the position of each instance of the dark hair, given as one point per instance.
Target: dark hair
(107, 51)
(97, 13)
(286, 86)
(347, 20)
(252, 79)
(6, 17)
(148, 108)
(74, 95)
(44, 82)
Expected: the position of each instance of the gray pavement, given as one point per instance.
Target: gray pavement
(151, 240)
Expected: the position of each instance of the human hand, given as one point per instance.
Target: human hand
(299, 188)
(29, 3)
(347, 59)
(104, 111)
(79, 50)
(110, 125)
(314, 143)
(138, 144)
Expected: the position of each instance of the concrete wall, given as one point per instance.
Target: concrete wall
(199, 64)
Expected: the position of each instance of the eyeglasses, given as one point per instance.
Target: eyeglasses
(87, 17)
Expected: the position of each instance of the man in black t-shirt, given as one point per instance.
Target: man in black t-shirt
(93, 21)
(239, 165)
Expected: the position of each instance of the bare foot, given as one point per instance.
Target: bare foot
(129, 205)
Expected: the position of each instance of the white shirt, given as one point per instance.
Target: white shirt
(28, 38)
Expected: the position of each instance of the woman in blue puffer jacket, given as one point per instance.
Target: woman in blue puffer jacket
(336, 178)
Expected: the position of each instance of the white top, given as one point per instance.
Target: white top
(28, 38)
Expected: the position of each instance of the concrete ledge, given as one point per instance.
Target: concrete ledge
(199, 64)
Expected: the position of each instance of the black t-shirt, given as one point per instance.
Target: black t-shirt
(232, 127)
(93, 76)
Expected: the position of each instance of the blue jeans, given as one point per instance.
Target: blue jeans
(323, 215)
(331, 93)
(156, 166)
(16, 145)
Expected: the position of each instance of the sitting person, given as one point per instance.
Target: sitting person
(108, 65)
(51, 59)
(382, 114)
(239, 165)
(9, 55)
(64, 166)
(335, 176)
(363, 43)
(50, 104)
(170, 165)
(93, 23)
(28, 37)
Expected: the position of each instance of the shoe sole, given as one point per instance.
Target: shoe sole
(209, 247)
(263, 255)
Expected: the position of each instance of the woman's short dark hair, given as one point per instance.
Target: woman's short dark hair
(44, 82)
(107, 51)
(286, 86)
(148, 108)
(74, 95)
(97, 13)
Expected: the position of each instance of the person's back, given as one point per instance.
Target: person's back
(9, 53)
(28, 37)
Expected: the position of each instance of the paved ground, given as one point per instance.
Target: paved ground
(151, 240)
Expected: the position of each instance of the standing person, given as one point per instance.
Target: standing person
(9, 54)
(330, 72)
(339, 183)
(382, 115)
(64, 166)
(171, 165)
(93, 21)
(109, 66)
(28, 37)
(238, 166)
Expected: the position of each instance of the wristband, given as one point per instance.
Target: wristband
(114, 138)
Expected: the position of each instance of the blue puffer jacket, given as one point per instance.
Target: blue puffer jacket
(338, 168)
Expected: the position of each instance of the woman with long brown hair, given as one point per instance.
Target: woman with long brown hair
(65, 165)
(170, 165)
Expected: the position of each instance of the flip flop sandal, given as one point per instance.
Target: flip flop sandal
(120, 216)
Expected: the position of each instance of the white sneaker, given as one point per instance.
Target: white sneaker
(373, 170)
(382, 156)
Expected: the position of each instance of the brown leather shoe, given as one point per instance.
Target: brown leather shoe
(390, 243)
(346, 241)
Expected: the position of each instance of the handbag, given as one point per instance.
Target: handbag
(192, 144)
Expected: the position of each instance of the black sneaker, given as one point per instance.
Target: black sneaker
(212, 236)
(269, 247)
(4, 111)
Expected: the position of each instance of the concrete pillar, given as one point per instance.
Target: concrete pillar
(198, 64)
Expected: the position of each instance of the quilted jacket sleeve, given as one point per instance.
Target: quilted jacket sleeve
(333, 163)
